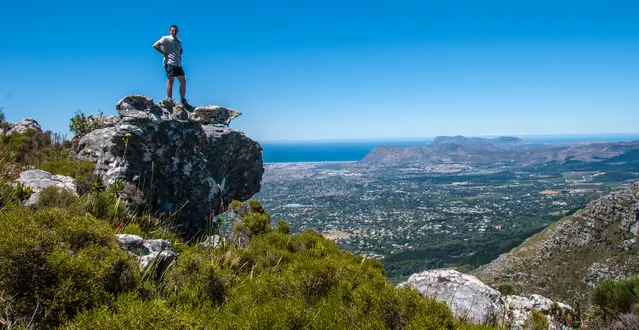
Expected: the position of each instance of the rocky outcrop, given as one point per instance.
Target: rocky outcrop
(156, 253)
(24, 126)
(185, 163)
(470, 298)
(571, 256)
(38, 180)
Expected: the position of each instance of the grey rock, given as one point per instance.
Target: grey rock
(184, 169)
(627, 245)
(155, 252)
(38, 180)
(23, 126)
(141, 108)
(133, 244)
(520, 308)
(213, 114)
(212, 241)
(465, 295)
(105, 121)
(599, 271)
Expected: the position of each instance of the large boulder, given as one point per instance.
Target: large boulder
(468, 297)
(185, 163)
(38, 180)
(465, 295)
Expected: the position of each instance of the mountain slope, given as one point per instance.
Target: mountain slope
(566, 259)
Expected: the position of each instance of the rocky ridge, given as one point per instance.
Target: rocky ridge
(568, 258)
(186, 162)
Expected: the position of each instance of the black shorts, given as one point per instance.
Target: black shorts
(173, 71)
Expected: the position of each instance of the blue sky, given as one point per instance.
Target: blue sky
(326, 70)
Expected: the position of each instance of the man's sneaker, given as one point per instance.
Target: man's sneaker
(186, 104)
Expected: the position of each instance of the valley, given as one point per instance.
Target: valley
(430, 215)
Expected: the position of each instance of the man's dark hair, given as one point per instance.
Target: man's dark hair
(173, 26)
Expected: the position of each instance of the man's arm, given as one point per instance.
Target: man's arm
(157, 46)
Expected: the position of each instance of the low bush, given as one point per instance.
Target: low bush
(277, 281)
(616, 296)
(506, 289)
(253, 224)
(54, 197)
(283, 227)
(537, 321)
(80, 124)
(54, 265)
(135, 313)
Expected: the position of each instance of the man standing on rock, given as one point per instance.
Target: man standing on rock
(171, 47)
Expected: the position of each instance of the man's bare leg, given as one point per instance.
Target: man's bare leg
(169, 87)
(182, 81)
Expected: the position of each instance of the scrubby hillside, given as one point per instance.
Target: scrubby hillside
(62, 265)
(567, 259)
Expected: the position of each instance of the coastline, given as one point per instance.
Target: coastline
(312, 162)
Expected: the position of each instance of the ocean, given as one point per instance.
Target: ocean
(342, 151)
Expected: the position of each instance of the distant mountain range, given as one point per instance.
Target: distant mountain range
(501, 150)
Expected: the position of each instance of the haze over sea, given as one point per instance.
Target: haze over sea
(344, 151)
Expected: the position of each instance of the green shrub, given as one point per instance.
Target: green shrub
(283, 227)
(256, 206)
(45, 151)
(8, 167)
(537, 321)
(235, 206)
(616, 296)
(134, 313)
(196, 281)
(506, 289)
(81, 171)
(133, 229)
(103, 205)
(54, 265)
(24, 146)
(253, 224)
(465, 268)
(80, 124)
(52, 197)
(277, 281)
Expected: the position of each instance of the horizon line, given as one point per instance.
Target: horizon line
(435, 136)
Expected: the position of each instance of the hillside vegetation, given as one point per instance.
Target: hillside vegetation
(61, 266)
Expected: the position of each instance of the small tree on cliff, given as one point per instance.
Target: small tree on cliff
(256, 222)
(81, 125)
